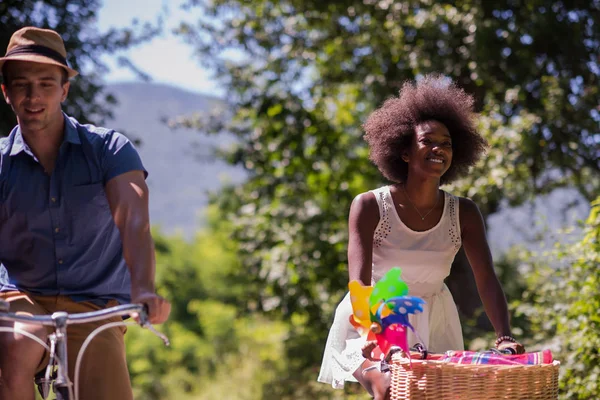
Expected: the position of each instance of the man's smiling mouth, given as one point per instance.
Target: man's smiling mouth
(34, 110)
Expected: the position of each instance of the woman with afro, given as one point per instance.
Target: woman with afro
(420, 140)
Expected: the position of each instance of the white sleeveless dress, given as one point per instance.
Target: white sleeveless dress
(425, 259)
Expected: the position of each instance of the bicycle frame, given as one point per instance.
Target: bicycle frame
(58, 339)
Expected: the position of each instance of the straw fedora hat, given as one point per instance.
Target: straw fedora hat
(37, 45)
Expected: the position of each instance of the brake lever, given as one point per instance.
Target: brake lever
(161, 335)
(143, 315)
(421, 349)
(143, 321)
(509, 351)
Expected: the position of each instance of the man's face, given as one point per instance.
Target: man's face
(35, 92)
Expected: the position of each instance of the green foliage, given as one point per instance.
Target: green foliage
(216, 350)
(309, 73)
(75, 21)
(563, 302)
(510, 57)
(509, 269)
(305, 74)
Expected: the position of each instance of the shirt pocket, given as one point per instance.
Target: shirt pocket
(89, 210)
(81, 197)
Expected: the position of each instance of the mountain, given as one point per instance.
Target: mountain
(539, 224)
(182, 168)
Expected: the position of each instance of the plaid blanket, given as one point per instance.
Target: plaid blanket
(488, 357)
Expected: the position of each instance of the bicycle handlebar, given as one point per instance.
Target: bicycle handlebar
(82, 318)
(78, 318)
(4, 305)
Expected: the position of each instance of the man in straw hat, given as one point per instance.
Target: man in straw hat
(74, 223)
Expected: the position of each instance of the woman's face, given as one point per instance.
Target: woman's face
(430, 153)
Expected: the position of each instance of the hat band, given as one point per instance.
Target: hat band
(39, 50)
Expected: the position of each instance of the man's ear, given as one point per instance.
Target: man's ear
(5, 94)
(66, 86)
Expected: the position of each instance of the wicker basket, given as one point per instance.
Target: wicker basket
(435, 380)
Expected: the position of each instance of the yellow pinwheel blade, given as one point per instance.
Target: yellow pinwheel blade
(359, 297)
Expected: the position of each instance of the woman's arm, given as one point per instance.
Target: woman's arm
(478, 253)
(362, 222)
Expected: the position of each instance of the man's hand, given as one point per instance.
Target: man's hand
(158, 308)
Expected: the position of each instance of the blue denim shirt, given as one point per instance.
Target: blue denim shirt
(57, 233)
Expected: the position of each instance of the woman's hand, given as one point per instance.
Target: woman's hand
(368, 348)
(516, 347)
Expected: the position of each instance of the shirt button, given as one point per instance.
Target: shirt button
(60, 261)
(56, 230)
(54, 199)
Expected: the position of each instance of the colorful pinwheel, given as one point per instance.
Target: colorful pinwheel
(382, 311)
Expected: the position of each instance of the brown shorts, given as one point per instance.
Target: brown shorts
(103, 373)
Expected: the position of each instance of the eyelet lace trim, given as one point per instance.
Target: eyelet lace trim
(383, 228)
(454, 229)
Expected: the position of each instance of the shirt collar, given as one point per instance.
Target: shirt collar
(71, 134)
(19, 145)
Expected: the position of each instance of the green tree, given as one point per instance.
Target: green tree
(563, 303)
(75, 21)
(303, 75)
(309, 73)
(216, 350)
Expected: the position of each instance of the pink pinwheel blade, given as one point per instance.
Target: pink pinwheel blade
(394, 335)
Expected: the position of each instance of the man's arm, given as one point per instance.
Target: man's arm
(128, 198)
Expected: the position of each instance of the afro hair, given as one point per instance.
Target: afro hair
(390, 129)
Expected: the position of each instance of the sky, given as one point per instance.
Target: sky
(167, 59)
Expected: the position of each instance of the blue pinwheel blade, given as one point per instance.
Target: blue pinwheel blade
(405, 305)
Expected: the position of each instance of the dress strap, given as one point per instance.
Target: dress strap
(383, 227)
(453, 209)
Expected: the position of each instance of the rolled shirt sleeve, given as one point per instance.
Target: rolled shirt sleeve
(120, 156)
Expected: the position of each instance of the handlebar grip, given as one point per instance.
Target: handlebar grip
(509, 351)
(143, 314)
